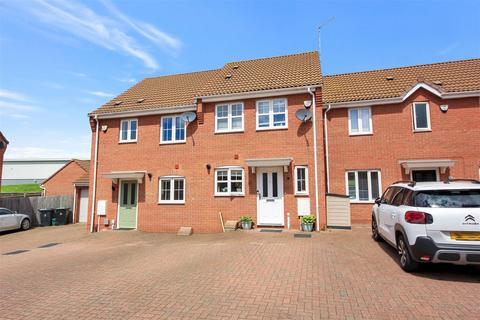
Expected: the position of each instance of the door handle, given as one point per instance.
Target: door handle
(259, 195)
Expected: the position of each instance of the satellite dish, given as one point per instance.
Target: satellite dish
(188, 116)
(303, 115)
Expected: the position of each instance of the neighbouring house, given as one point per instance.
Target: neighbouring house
(417, 123)
(71, 179)
(274, 140)
(3, 148)
(29, 171)
(246, 153)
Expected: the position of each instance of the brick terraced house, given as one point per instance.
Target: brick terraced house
(3, 148)
(248, 151)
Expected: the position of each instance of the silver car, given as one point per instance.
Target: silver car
(12, 220)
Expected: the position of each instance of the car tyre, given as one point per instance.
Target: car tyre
(375, 235)
(406, 261)
(25, 225)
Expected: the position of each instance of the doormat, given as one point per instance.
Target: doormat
(15, 252)
(48, 245)
(302, 235)
(271, 230)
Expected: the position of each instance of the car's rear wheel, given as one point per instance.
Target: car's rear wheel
(25, 225)
(406, 261)
(375, 235)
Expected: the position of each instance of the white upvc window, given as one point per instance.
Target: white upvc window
(301, 180)
(229, 181)
(172, 129)
(171, 190)
(421, 116)
(128, 130)
(229, 117)
(360, 121)
(272, 114)
(363, 185)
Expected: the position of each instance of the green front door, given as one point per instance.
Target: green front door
(127, 210)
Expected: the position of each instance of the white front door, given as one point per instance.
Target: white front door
(83, 208)
(270, 196)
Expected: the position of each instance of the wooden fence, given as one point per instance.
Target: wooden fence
(30, 205)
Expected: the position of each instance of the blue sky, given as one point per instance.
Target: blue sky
(61, 59)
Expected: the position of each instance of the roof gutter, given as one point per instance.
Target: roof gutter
(315, 162)
(139, 113)
(94, 191)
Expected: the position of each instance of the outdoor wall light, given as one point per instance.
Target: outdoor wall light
(307, 104)
(208, 167)
(149, 176)
(104, 128)
(444, 107)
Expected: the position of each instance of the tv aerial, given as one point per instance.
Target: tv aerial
(303, 115)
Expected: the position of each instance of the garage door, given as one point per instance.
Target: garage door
(338, 211)
(83, 209)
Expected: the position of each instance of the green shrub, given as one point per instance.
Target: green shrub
(308, 219)
(246, 219)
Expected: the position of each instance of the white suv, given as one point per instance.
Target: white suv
(434, 222)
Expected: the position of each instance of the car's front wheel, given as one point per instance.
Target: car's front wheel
(25, 225)
(406, 261)
(375, 235)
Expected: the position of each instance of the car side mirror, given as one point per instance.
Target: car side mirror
(378, 201)
(15, 212)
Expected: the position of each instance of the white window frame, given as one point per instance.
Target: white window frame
(297, 192)
(172, 190)
(359, 124)
(173, 129)
(414, 113)
(129, 128)
(229, 117)
(369, 182)
(270, 115)
(228, 181)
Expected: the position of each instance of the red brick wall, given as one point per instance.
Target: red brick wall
(204, 147)
(455, 135)
(62, 182)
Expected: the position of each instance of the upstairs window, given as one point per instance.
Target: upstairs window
(128, 130)
(363, 185)
(272, 114)
(172, 190)
(421, 116)
(229, 181)
(301, 180)
(359, 121)
(229, 117)
(172, 130)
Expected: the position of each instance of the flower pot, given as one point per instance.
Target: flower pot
(307, 227)
(247, 225)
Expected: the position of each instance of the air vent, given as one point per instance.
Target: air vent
(228, 76)
(438, 83)
(390, 78)
(140, 100)
(117, 103)
(235, 67)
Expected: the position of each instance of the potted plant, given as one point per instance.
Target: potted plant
(246, 222)
(308, 222)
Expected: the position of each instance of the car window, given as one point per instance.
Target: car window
(388, 195)
(407, 198)
(398, 197)
(4, 212)
(448, 198)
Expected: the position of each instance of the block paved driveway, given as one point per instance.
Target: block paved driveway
(240, 275)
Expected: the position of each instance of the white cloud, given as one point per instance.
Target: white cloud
(45, 153)
(105, 31)
(12, 95)
(100, 94)
(128, 80)
(18, 116)
(54, 85)
(16, 106)
(79, 74)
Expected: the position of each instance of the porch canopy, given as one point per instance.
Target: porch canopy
(125, 175)
(442, 164)
(269, 162)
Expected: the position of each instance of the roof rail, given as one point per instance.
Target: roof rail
(411, 183)
(458, 180)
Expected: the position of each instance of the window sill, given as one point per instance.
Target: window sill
(272, 129)
(229, 195)
(172, 142)
(422, 130)
(170, 202)
(127, 142)
(301, 194)
(362, 201)
(229, 131)
(360, 134)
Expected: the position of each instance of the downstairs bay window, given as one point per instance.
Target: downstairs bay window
(363, 185)
(229, 181)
